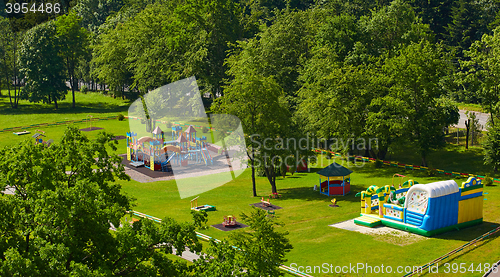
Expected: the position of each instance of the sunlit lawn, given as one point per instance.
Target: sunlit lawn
(306, 216)
(305, 212)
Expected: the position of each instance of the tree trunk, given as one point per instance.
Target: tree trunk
(55, 103)
(252, 161)
(424, 161)
(71, 80)
(467, 125)
(73, 92)
(271, 176)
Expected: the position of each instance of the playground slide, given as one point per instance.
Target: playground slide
(208, 154)
(209, 157)
(169, 158)
(204, 157)
(165, 163)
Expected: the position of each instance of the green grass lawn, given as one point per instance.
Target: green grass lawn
(27, 113)
(305, 212)
(306, 215)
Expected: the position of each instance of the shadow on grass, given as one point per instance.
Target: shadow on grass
(64, 108)
(308, 194)
(469, 233)
(389, 171)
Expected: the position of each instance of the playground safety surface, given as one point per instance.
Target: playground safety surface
(146, 171)
(267, 208)
(145, 175)
(90, 129)
(225, 229)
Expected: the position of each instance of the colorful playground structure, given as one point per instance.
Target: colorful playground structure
(156, 153)
(424, 209)
(337, 180)
(229, 221)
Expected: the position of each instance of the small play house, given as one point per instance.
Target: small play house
(334, 180)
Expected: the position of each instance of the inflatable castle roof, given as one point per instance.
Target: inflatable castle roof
(437, 189)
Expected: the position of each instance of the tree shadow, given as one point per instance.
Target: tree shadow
(64, 108)
(309, 194)
(469, 233)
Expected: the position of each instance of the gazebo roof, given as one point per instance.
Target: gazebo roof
(157, 131)
(190, 129)
(333, 170)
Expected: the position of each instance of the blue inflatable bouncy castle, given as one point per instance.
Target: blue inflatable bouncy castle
(427, 209)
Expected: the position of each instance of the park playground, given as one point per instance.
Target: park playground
(305, 212)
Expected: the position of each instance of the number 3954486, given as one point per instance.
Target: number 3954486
(32, 8)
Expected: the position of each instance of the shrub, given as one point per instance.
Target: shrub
(487, 181)
(204, 129)
(379, 163)
(121, 117)
(431, 172)
(84, 89)
(168, 124)
(260, 172)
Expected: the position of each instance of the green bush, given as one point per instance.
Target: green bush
(260, 172)
(431, 172)
(378, 163)
(168, 124)
(204, 129)
(84, 89)
(487, 181)
(121, 117)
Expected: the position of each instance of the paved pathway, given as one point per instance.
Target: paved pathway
(483, 119)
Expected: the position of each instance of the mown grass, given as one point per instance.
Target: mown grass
(305, 212)
(470, 107)
(306, 216)
(27, 113)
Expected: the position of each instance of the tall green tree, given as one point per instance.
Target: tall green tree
(283, 47)
(259, 251)
(73, 40)
(482, 71)
(415, 77)
(109, 60)
(58, 221)
(9, 62)
(465, 27)
(259, 102)
(392, 27)
(437, 14)
(95, 12)
(333, 100)
(492, 147)
(264, 247)
(42, 66)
